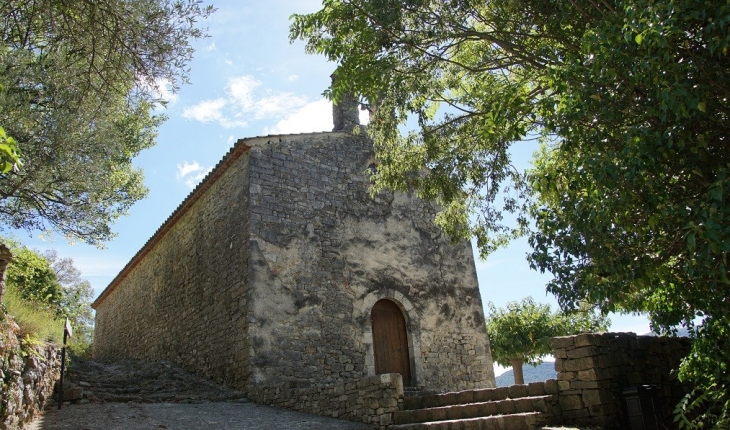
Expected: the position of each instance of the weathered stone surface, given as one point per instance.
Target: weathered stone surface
(562, 342)
(27, 377)
(73, 393)
(517, 391)
(571, 403)
(596, 368)
(266, 276)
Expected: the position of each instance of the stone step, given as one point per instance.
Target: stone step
(472, 410)
(549, 387)
(523, 421)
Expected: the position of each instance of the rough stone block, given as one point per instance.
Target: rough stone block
(571, 403)
(594, 374)
(500, 393)
(562, 342)
(578, 364)
(601, 410)
(466, 396)
(572, 416)
(551, 386)
(583, 351)
(567, 376)
(536, 389)
(484, 395)
(559, 353)
(594, 397)
(507, 406)
(582, 385)
(588, 339)
(517, 391)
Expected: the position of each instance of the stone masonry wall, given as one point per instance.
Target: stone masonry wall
(184, 297)
(371, 399)
(594, 369)
(27, 376)
(323, 251)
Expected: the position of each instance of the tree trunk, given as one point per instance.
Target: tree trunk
(5, 257)
(517, 371)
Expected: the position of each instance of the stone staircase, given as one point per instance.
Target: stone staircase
(516, 407)
(139, 381)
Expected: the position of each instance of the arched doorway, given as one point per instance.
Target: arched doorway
(390, 340)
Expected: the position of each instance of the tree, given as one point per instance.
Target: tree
(49, 282)
(632, 100)
(33, 278)
(520, 333)
(80, 81)
(8, 151)
(9, 156)
(76, 301)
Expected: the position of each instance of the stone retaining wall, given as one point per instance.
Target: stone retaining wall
(595, 369)
(370, 400)
(27, 377)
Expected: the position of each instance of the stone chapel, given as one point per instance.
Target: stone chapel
(280, 275)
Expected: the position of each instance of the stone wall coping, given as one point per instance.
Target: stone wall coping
(240, 147)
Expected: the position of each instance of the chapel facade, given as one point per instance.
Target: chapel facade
(281, 272)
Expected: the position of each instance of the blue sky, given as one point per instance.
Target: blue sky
(248, 80)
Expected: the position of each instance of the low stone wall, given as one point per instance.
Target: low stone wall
(371, 400)
(595, 369)
(27, 377)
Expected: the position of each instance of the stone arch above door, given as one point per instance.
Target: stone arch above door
(413, 332)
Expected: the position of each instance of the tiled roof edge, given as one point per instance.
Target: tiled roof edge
(233, 154)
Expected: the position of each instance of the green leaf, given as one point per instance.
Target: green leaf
(639, 38)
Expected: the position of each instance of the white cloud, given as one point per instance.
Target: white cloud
(312, 117)
(245, 99)
(211, 47)
(206, 111)
(230, 140)
(240, 91)
(212, 111)
(191, 173)
(275, 104)
(293, 78)
(227, 61)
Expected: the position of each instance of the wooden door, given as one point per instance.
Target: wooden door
(390, 340)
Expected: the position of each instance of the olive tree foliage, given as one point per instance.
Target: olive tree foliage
(81, 79)
(629, 195)
(520, 333)
(9, 155)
